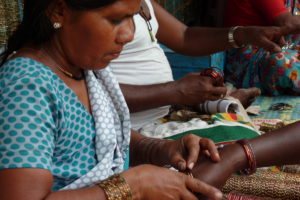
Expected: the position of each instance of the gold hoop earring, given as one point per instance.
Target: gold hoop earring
(56, 25)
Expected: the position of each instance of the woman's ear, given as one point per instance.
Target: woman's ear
(56, 12)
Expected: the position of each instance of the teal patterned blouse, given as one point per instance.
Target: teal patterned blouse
(43, 124)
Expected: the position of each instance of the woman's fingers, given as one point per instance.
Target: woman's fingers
(207, 144)
(188, 195)
(198, 145)
(198, 186)
(189, 150)
(179, 162)
(193, 147)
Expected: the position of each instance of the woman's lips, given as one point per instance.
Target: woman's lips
(114, 55)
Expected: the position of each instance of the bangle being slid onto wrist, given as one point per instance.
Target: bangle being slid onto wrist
(252, 166)
(231, 39)
(116, 188)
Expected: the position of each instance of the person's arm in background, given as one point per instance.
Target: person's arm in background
(279, 147)
(191, 89)
(199, 41)
(291, 22)
(196, 41)
(278, 15)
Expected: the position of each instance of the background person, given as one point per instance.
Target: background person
(250, 66)
(145, 74)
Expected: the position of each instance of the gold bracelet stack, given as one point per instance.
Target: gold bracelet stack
(116, 188)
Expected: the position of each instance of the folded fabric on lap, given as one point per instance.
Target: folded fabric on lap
(224, 127)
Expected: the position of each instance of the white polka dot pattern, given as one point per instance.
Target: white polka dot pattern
(112, 124)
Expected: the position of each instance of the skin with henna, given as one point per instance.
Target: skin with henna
(233, 157)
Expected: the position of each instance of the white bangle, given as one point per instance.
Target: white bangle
(231, 38)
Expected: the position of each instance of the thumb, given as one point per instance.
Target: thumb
(178, 162)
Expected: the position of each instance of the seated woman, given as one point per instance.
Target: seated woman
(250, 66)
(65, 129)
(64, 125)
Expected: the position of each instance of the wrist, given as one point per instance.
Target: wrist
(152, 151)
(236, 155)
(116, 188)
(175, 92)
(133, 178)
(160, 156)
(234, 36)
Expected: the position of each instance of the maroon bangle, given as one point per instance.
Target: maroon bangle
(250, 157)
(214, 73)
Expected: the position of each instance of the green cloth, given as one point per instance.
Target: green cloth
(221, 133)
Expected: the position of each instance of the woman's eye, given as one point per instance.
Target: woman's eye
(116, 21)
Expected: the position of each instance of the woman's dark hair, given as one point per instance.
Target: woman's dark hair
(36, 28)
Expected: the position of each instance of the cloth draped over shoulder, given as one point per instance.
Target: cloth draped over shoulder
(275, 74)
(113, 136)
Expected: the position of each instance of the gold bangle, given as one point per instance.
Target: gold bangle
(116, 188)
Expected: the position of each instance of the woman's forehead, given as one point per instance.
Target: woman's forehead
(128, 7)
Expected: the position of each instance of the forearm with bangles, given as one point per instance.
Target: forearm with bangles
(279, 147)
(149, 151)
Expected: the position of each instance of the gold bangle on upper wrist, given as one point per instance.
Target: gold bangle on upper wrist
(231, 39)
(116, 188)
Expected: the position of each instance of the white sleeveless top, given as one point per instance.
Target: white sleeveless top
(143, 62)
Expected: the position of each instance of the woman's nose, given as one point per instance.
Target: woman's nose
(126, 33)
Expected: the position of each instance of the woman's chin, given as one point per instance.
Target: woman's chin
(100, 66)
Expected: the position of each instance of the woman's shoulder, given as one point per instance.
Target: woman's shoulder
(24, 68)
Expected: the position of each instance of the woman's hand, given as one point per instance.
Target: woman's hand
(267, 37)
(151, 182)
(195, 89)
(184, 152)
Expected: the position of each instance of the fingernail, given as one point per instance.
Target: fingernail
(191, 165)
(181, 166)
(217, 155)
(277, 49)
(218, 195)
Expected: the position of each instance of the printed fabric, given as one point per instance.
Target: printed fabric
(275, 74)
(44, 125)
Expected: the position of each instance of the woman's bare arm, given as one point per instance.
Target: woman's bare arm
(278, 147)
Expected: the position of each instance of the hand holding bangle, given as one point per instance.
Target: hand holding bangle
(214, 73)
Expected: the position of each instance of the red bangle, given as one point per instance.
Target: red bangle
(250, 157)
(214, 73)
